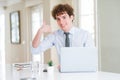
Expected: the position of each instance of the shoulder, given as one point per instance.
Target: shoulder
(57, 32)
(80, 30)
(54, 34)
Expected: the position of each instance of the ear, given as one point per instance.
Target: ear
(71, 17)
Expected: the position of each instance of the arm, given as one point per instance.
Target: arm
(43, 29)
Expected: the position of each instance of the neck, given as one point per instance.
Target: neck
(67, 30)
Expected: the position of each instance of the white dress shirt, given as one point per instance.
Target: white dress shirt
(78, 38)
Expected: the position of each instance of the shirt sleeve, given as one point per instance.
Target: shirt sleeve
(44, 45)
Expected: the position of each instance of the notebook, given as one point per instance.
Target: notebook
(78, 59)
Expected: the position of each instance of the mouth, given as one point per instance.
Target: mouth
(62, 27)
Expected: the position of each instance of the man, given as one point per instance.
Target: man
(64, 15)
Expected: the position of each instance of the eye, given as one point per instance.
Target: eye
(64, 17)
(57, 19)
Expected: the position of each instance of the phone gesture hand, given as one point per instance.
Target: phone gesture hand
(46, 28)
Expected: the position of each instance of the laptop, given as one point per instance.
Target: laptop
(78, 59)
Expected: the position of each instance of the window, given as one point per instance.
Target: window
(37, 20)
(86, 16)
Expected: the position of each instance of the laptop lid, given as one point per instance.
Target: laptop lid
(78, 59)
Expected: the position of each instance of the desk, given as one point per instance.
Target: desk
(69, 76)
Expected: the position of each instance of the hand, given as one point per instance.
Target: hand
(46, 28)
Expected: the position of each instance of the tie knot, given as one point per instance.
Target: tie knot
(66, 33)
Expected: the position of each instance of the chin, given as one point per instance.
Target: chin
(63, 29)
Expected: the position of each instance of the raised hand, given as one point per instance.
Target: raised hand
(46, 28)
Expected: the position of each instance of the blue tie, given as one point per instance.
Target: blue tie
(67, 40)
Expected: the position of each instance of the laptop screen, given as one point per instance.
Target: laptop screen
(78, 59)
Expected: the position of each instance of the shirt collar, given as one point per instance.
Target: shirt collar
(72, 30)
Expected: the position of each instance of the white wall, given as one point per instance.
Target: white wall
(109, 25)
(16, 53)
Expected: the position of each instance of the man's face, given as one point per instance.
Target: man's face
(64, 21)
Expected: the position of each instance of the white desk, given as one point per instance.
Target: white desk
(69, 76)
(90, 76)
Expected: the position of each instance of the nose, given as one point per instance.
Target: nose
(61, 21)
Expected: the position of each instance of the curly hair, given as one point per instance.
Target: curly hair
(61, 9)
